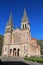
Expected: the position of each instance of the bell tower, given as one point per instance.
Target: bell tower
(9, 27)
(25, 22)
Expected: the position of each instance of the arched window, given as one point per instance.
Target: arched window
(23, 26)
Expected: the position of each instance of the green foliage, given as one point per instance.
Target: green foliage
(1, 43)
(39, 60)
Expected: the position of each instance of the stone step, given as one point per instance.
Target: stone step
(12, 59)
(19, 59)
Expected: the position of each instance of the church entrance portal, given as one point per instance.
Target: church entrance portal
(14, 52)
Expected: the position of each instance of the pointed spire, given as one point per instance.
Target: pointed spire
(24, 18)
(9, 26)
(10, 20)
(25, 14)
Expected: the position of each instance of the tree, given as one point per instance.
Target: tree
(1, 43)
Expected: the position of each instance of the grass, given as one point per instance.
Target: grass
(39, 60)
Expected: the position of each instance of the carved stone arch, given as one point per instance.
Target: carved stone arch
(10, 52)
(18, 51)
(14, 51)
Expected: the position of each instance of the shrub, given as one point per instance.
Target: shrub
(39, 60)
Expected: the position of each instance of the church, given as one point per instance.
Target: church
(18, 42)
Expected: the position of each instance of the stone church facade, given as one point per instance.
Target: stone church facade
(18, 42)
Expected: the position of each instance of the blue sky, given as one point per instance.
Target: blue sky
(34, 12)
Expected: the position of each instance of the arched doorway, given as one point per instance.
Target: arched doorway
(14, 52)
(18, 52)
(10, 52)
